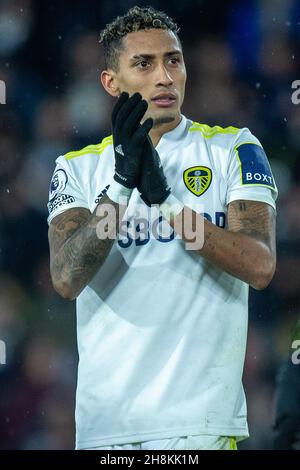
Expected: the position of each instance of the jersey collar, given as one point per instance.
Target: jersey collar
(171, 138)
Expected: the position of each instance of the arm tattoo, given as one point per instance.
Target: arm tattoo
(76, 252)
(256, 219)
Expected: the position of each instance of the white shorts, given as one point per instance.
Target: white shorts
(178, 443)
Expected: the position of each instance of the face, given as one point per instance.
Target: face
(152, 64)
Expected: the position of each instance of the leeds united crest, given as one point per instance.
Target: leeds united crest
(197, 179)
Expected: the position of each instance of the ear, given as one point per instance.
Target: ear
(109, 82)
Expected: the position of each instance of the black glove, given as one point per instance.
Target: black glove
(153, 184)
(129, 137)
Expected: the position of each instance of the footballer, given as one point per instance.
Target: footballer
(161, 328)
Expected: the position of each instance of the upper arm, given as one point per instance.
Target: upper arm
(255, 219)
(64, 225)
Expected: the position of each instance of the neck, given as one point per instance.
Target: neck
(158, 131)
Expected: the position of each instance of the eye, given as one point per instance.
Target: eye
(143, 64)
(174, 60)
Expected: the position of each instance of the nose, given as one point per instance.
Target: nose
(163, 76)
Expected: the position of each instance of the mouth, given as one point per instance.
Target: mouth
(164, 100)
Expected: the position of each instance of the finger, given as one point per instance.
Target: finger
(142, 132)
(147, 125)
(126, 109)
(134, 118)
(121, 100)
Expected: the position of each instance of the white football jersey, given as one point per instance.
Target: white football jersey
(162, 331)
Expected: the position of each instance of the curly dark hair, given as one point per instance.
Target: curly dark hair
(135, 19)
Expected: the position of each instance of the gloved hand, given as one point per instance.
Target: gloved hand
(153, 184)
(128, 137)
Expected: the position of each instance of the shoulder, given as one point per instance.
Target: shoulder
(226, 137)
(88, 151)
(208, 132)
(80, 164)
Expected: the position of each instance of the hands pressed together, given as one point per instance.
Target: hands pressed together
(137, 163)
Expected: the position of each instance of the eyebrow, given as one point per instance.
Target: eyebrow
(152, 56)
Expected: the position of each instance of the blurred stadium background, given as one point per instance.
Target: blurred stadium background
(242, 57)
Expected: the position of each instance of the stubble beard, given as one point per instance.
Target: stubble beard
(158, 121)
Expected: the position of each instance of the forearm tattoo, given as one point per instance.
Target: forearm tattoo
(76, 251)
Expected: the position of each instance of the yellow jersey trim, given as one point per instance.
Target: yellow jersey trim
(209, 132)
(95, 149)
(232, 443)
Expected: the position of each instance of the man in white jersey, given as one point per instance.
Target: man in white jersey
(161, 329)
